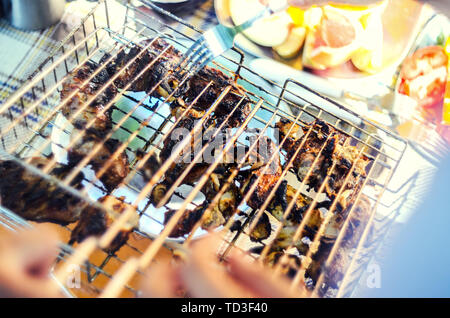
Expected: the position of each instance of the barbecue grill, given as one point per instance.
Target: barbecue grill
(142, 122)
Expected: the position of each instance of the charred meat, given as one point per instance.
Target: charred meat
(89, 98)
(234, 102)
(211, 219)
(335, 150)
(186, 222)
(119, 167)
(95, 222)
(38, 199)
(262, 229)
(265, 170)
(289, 266)
(153, 71)
(101, 92)
(150, 167)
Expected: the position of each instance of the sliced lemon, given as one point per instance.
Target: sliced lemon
(369, 57)
(333, 41)
(294, 42)
(297, 15)
(360, 10)
(269, 31)
(312, 17)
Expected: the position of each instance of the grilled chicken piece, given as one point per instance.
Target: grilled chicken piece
(148, 71)
(95, 222)
(187, 221)
(117, 171)
(335, 150)
(321, 135)
(356, 225)
(171, 175)
(163, 71)
(217, 216)
(264, 170)
(74, 83)
(235, 99)
(314, 221)
(150, 167)
(35, 198)
(161, 74)
(93, 89)
(290, 265)
(215, 182)
(262, 229)
(320, 252)
(129, 75)
(283, 197)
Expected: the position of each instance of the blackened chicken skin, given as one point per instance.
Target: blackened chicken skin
(35, 198)
(183, 95)
(95, 222)
(185, 223)
(335, 150)
(160, 61)
(78, 83)
(262, 230)
(151, 165)
(215, 216)
(102, 124)
(234, 102)
(119, 167)
(209, 221)
(265, 170)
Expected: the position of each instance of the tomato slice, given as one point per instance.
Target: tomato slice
(423, 76)
(423, 61)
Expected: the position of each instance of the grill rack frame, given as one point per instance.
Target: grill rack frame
(239, 66)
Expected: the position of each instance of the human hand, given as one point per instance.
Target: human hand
(203, 276)
(26, 258)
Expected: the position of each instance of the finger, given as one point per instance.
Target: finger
(26, 259)
(37, 251)
(258, 278)
(162, 281)
(204, 276)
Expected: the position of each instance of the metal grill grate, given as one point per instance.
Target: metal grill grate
(142, 121)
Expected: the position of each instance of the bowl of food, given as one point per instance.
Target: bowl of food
(339, 41)
(423, 77)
